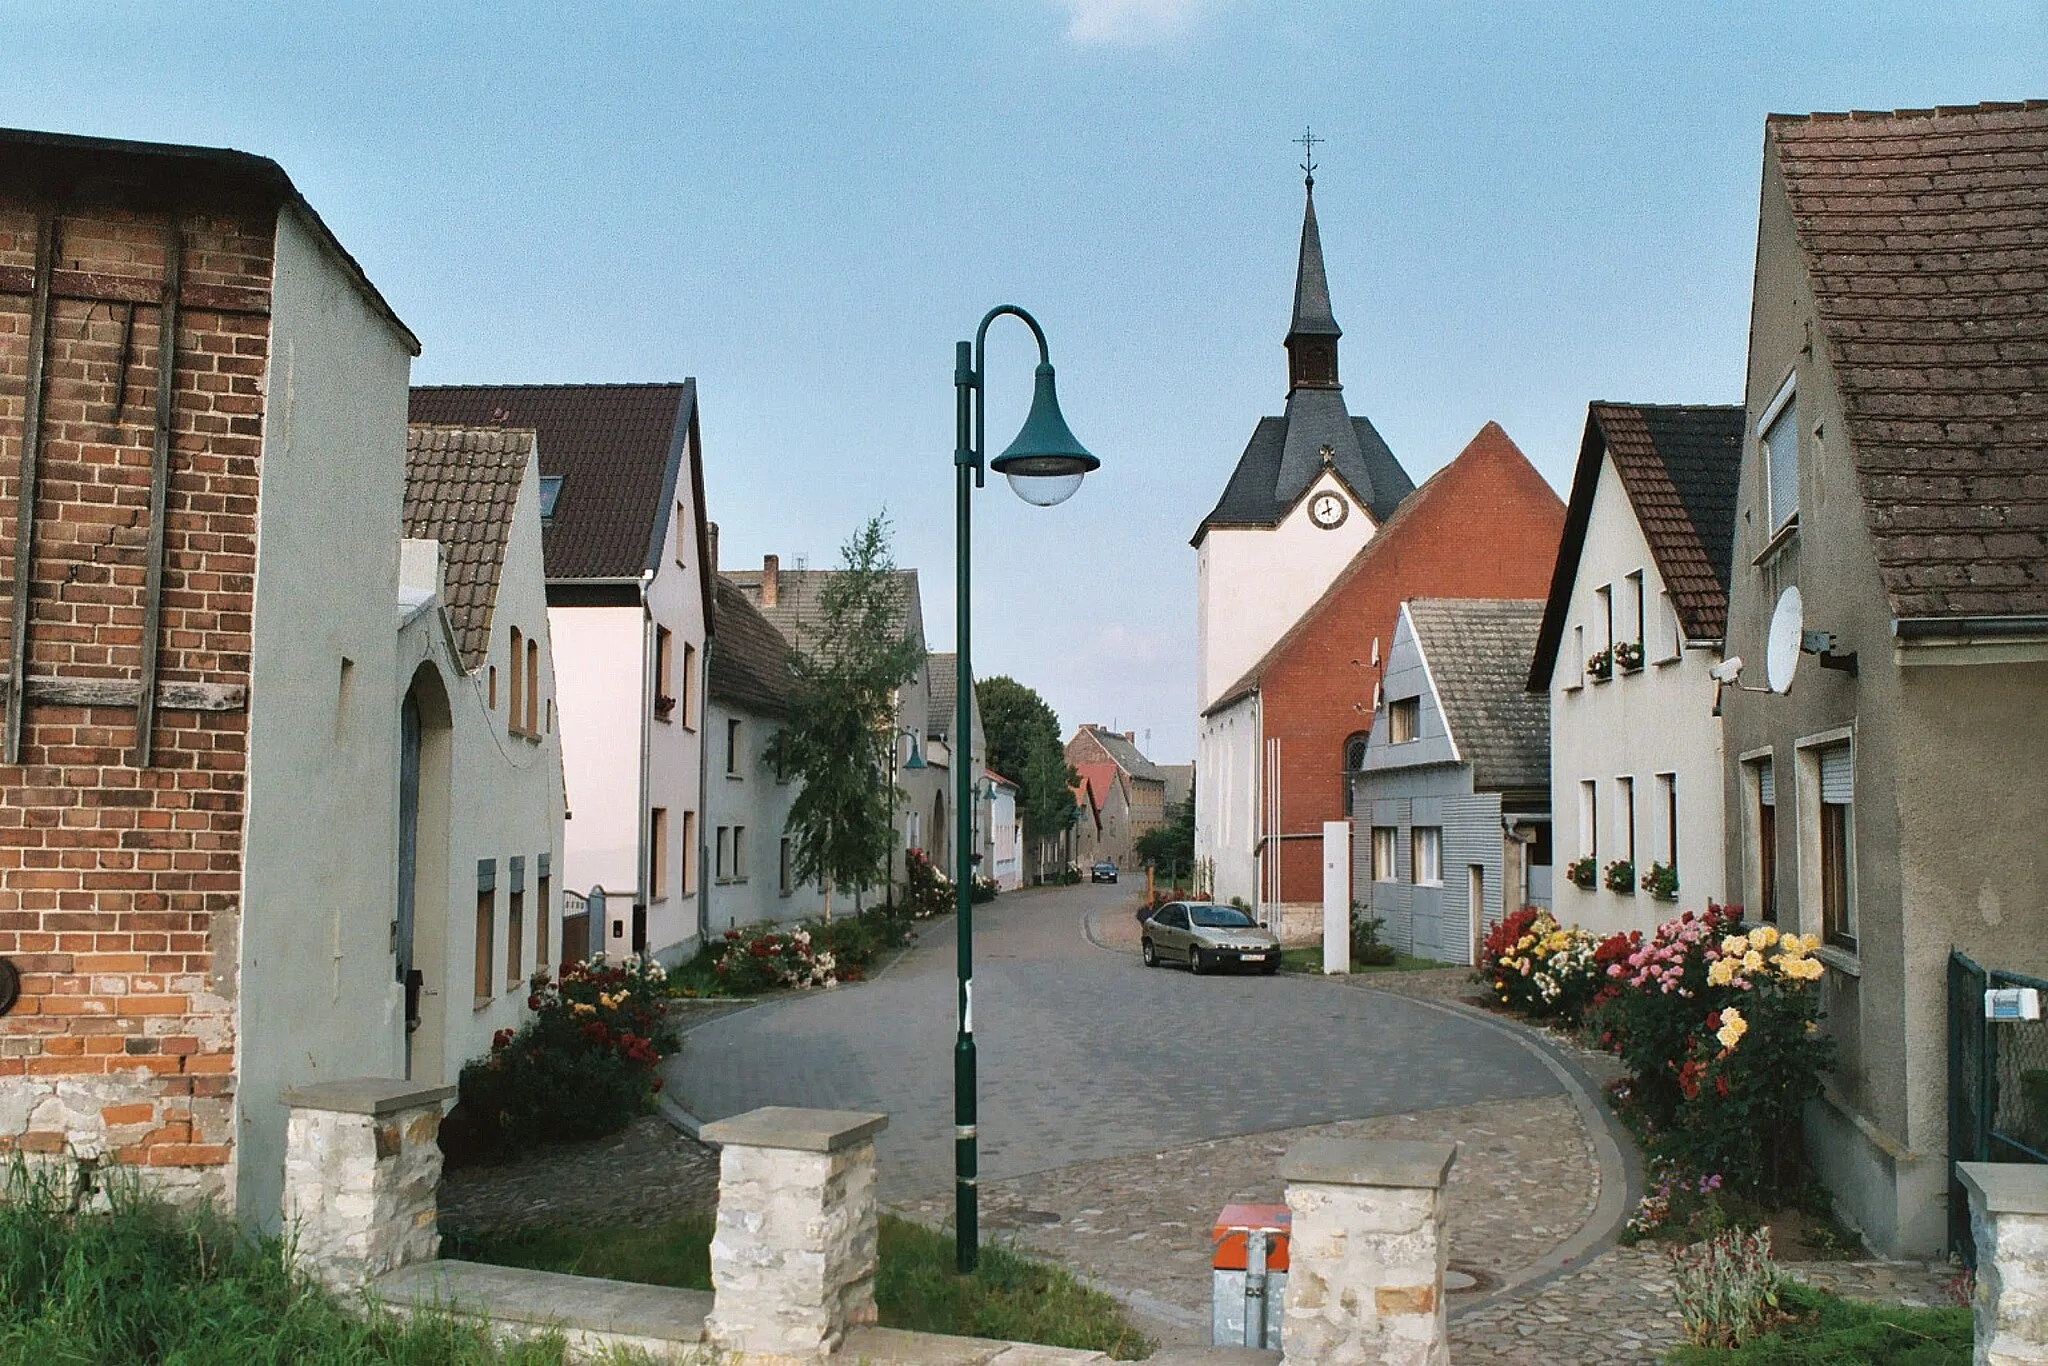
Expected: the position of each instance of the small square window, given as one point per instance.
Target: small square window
(550, 497)
(1404, 719)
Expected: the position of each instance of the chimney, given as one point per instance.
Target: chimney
(1131, 736)
(771, 573)
(711, 548)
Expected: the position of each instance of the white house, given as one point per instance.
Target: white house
(1005, 861)
(629, 606)
(480, 754)
(1637, 606)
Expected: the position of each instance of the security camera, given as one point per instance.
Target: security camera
(1728, 670)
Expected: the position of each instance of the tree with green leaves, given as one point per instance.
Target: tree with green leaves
(836, 740)
(1024, 746)
(1170, 848)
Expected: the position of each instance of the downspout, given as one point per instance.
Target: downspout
(704, 802)
(642, 898)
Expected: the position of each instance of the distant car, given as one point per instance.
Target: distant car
(1104, 871)
(1206, 936)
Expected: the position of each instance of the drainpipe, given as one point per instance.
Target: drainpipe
(647, 628)
(704, 801)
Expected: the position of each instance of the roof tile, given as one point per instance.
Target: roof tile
(461, 489)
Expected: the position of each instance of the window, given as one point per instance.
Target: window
(785, 866)
(1837, 847)
(664, 674)
(657, 852)
(720, 850)
(1404, 719)
(1780, 429)
(1635, 607)
(689, 853)
(689, 693)
(1625, 819)
(1426, 852)
(1578, 656)
(1589, 819)
(550, 496)
(682, 521)
(486, 915)
(1383, 837)
(1601, 663)
(1766, 852)
(1354, 764)
(1667, 809)
(739, 853)
(1672, 643)
(732, 747)
(517, 709)
(494, 687)
(543, 941)
(532, 686)
(515, 924)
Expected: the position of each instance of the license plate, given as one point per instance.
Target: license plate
(1252, 957)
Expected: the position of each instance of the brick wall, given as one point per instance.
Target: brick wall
(118, 883)
(1485, 526)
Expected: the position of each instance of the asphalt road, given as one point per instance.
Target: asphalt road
(1085, 1054)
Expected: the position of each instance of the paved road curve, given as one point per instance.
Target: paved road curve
(1085, 1054)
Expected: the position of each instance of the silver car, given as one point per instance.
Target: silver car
(1206, 936)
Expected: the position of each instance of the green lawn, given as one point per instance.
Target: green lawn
(1310, 959)
(1010, 1296)
(1826, 1330)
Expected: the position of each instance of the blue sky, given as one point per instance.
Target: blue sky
(804, 205)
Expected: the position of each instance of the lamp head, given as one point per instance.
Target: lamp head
(916, 759)
(1045, 463)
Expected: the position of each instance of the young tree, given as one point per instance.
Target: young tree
(1024, 746)
(842, 717)
(1170, 848)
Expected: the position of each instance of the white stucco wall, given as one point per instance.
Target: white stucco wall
(1656, 721)
(318, 993)
(674, 778)
(1006, 840)
(601, 696)
(751, 798)
(1251, 584)
(1227, 800)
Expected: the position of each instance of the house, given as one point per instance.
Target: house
(199, 755)
(1455, 787)
(1080, 845)
(1281, 744)
(1109, 790)
(629, 605)
(1886, 793)
(1005, 862)
(942, 673)
(1180, 784)
(480, 794)
(791, 600)
(1139, 784)
(747, 802)
(1637, 606)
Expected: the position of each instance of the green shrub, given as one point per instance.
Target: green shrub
(1819, 1329)
(582, 1066)
(1366, 949)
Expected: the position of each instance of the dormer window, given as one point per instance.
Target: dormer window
(1404, 720)
(1779, 433)
(550, 494)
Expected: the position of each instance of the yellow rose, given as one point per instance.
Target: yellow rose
(1735, 945)
(1752, 961)
(1763, 936)
(1808, 942)
(1721, 972)
(582, 1008)
(1733, 1027)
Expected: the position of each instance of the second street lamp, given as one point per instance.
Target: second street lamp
(1044, 466)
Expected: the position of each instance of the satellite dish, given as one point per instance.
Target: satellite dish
(1781, 654)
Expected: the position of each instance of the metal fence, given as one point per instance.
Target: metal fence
(1997, 1084)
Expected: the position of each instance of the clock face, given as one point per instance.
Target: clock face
(1328, 510)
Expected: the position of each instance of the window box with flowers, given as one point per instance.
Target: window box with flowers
(1661, 882)
(664, 707)
(1584, 872)
(1628, 656)
(1621, 877)
(1600, 666)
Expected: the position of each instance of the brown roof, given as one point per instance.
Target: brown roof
(1679, 464)
(749, 657)
(1925, 233)
(1478, 653)
(799, 611)
(461, 489)
(618, 449)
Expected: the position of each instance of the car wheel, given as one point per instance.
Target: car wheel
(1151, 955)
(1267, 969)
(1196, 963)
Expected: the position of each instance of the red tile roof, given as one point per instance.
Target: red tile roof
(1925, 234)
(461, 489)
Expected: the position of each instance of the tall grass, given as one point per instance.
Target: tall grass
(141, 1282)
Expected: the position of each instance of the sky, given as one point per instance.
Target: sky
(805, 205)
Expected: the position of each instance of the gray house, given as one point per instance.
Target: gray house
(1456, 778)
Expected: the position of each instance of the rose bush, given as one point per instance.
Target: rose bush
(771, 960)
(1540, 967)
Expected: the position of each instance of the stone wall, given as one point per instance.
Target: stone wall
(2009, 1223)
(362, 1162)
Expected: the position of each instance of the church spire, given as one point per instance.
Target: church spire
(1312, 337)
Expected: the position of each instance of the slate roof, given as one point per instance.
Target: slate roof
(749, 657)
(461, 489)
(1312, 314)
(1477, 650)
(1252, 499)
(1925, 233)
(797, 611)
(1125, 755)
(1679, 464)
(618, 448)
(942, 671)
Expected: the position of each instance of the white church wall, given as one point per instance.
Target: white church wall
(1227, 801)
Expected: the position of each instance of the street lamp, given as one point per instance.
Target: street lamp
(1044, 466)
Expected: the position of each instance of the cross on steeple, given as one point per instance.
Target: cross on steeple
(1307, 142)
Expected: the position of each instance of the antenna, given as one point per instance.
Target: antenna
(1781, 654)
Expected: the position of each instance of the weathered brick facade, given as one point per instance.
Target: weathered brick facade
(120, 872)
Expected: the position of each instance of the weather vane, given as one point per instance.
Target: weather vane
(1307, 142)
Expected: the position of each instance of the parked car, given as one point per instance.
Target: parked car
(1105, 871)
(1207, 936)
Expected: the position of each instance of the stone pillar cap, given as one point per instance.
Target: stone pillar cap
(784, 1126)
(366, 1096)
(2007, 1187)
(1369, 1162)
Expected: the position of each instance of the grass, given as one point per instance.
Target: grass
(1826, 1330)
(146, 1283)
(1310, 959)
(1010, 1296)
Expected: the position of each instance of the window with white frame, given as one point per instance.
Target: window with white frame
(739, 853)
(1578, 669)
(1764, 838)
(1670, 634)
(1667, 819)
(1835, 818)
(1426, 844)
(1779, 445)
(1383, 846)
(1589, 819)
(1625, 817)
(721, 854)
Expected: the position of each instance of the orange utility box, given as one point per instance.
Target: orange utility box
(1249, 1275)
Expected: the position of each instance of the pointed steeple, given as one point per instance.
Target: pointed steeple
(1312, 337)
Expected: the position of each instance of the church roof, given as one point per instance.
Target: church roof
(1312, 315)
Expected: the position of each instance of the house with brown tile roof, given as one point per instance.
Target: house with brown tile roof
(481, 791)
(1638, 602)
(1886, 792)
(629, 610)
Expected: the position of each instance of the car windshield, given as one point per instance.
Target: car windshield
(1220, 917)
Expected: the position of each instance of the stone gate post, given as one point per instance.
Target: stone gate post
(2009, 1221)
(362, 1160)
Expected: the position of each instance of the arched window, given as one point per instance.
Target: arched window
(1354, 764)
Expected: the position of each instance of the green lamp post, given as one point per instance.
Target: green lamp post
(1044, 466)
